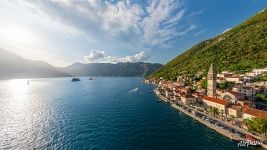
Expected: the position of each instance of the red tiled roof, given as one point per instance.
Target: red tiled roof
(255, 112)
(215, 100)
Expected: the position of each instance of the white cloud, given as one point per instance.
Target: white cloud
(94, 55)
(100, 56)
(160, 25)
(199, 32)
(139, 57)
(190, 28)
(59, 26)
(154, 24)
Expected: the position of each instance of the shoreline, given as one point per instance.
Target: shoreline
(219, 130)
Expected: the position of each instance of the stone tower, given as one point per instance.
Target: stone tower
(211, 79)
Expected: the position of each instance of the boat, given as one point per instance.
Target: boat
(75, 79)
(90, 79)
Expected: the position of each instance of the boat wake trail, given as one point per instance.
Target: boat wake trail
(132, 91)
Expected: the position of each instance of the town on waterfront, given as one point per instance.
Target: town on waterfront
(232, 104)
(133, 74)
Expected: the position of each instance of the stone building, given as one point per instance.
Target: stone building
(211, 89)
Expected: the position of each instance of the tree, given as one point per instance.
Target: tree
(261, 97)
(256, 124)
(225, 85)
(204, 84)
(225, 50)
(221, 113)
(214, 111)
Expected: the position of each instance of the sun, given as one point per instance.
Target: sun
(17, 34)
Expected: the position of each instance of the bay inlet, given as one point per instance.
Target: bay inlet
(96, 114)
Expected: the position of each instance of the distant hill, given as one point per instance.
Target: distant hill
(240, 49)
(107, 69)
(14, 66)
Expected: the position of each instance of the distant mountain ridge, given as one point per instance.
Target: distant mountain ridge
(240, 49)
(107, 69)
(13, 66)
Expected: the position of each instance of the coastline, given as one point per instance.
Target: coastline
(219, 130)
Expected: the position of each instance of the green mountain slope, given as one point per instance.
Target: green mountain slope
(240, 49)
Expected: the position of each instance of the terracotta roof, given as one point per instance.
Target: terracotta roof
(177, 89)
(255, 112)
(215, 100)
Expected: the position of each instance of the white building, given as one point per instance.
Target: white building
(234, 79)
(211, 102)
(256, 72)
(188, 99)
(235, 111)
(249, 92)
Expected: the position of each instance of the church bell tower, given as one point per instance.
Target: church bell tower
(211, 79)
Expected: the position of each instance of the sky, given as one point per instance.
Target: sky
(62, 32)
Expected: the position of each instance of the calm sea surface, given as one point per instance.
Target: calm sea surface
(96, 114)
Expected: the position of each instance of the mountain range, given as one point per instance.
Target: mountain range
(239, 49)
(14, 66)
(108, 69)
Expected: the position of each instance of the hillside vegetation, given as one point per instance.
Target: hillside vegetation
(240, 49)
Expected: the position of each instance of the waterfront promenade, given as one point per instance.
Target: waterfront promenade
(226, 132)
(216, 128)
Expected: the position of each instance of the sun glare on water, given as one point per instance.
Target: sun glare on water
(19, 89)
